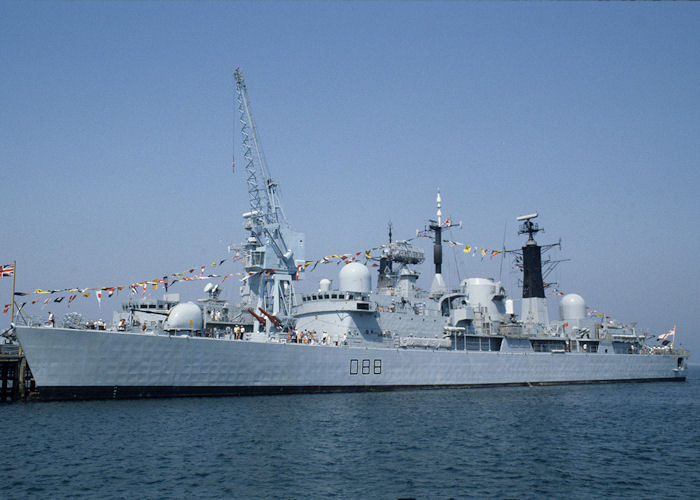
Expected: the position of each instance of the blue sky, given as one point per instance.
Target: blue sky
(117, 130)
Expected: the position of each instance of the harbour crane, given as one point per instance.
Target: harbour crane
(273, 253)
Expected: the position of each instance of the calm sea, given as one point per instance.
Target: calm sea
(623, 440)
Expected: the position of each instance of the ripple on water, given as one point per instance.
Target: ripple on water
(577, 441)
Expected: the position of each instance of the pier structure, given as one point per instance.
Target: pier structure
(16, 381)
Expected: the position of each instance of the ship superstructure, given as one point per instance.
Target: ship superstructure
(352, 337)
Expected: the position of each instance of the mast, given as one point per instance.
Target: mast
(14, 273)
(438, 287)
(534, 302)
(673, 342)
(533, 284)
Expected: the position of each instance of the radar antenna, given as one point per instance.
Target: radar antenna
(529, 227)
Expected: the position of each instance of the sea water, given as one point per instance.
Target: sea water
(583, 441)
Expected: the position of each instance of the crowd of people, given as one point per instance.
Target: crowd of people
(308, 337)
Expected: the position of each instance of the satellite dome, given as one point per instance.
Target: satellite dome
(572, 306)
(354, 277)
(185, 316)
(324, 285)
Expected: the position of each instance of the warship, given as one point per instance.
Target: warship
(352, 337)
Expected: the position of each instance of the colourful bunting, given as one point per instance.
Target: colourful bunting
(312, 264)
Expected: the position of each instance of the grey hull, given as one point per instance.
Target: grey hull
(89, 364)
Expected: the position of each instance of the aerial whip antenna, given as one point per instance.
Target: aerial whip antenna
(503, 256)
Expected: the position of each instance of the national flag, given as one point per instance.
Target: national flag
(447, 222)
(7, 308)
(98, 296)
(495, 252)
(8, 270)
(483, 252)
(71, 299)
(665, 337)
(59, 299)
(467, 249)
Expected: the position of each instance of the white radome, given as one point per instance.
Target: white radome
(354, 277)
(572, 306)
(324, 285)
(185, 316)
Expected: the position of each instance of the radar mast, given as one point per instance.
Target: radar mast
(534, 302)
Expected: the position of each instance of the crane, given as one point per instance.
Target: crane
(273, 253)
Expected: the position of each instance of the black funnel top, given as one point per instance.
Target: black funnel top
(533, 284)
(437, 249)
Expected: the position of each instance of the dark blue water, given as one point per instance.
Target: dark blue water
(623, 440)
